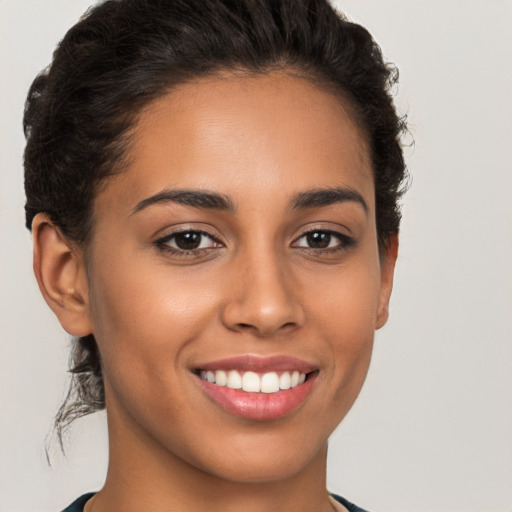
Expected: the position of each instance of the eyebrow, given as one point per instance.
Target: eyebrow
(215, 201)
(195, 198)
(327, 196)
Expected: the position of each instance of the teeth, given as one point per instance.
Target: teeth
(252, 382)
(270, 383)
(221, 378)
(234, 380)
(285, 381)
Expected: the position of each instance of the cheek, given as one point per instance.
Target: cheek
(347, 313)
(145, 314)
(144, 323)
(347, 297)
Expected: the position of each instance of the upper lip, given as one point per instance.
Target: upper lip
(259, 364)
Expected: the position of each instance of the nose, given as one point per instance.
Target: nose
(263, 297)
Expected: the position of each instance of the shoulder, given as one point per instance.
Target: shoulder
(78, 504)
(349, 506)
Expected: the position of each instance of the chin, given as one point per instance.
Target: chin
(272, 462)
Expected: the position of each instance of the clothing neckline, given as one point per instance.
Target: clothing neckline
(79, 504)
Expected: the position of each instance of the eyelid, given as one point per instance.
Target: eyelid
(163, 243)
(345, 241)
(169, 236)
(329, 232)
(186, 227)
(326, 227)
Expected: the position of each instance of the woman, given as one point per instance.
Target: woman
(212, 188)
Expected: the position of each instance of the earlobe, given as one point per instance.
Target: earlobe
(388, 261)
(60, 273)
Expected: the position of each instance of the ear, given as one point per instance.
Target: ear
(61, 275)
(387, 271)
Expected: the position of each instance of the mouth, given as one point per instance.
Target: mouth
(252, 382)
(257, 388)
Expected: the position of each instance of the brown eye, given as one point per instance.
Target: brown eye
(188, 241)
(318, 239)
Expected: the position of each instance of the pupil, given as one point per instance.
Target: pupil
(188, 241)
(318, 239)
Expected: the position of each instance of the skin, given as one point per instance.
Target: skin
(256, 287)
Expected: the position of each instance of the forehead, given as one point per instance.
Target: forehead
(270, 133)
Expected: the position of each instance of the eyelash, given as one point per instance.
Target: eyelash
(345, 243)
(163, 243)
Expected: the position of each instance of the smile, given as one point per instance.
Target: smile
(252, 382)
(257, 388)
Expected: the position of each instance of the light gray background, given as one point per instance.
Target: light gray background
(432, 429)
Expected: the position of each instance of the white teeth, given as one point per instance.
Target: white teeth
(269, 383)
(285, 381)
(251, 382)
(234, 380)
(221, 378)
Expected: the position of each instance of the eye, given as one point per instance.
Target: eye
(186, 242)
(323, 240)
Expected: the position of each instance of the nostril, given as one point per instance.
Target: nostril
(263, 330)
(245, 327)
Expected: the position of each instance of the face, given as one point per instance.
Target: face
(238, 249)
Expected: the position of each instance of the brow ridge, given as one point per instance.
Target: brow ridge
(196, 198)
(327, 196)
(212, 200)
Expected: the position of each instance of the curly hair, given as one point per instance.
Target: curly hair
(123, 54)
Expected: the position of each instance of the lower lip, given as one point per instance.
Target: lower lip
(259, 406)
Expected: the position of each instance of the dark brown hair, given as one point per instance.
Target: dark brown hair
(123, 54)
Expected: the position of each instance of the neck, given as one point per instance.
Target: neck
(144, 475)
